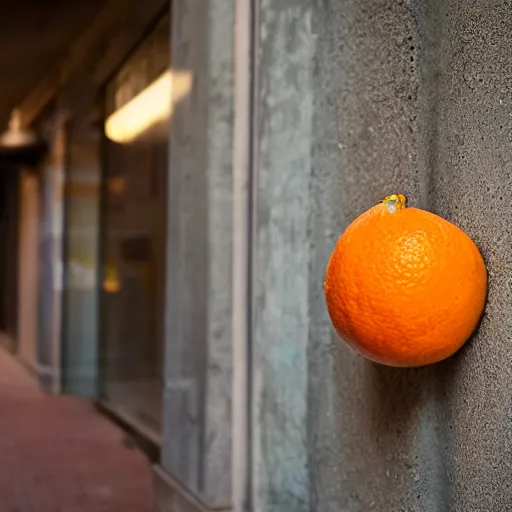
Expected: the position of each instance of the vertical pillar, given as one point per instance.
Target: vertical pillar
(28, 268)
(196, 467)
(343, 123)
(50, 256)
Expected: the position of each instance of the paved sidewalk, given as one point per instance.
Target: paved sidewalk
(57, 454)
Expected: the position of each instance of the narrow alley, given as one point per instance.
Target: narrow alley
(59, 454)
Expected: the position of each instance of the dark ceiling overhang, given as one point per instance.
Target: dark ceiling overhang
(34, 35)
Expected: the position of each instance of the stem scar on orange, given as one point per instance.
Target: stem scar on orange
(405, 287)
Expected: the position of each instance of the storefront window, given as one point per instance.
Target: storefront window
(132, 305)
(81, 255)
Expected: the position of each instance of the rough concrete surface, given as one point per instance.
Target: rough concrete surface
(199, 359)
(358, 99)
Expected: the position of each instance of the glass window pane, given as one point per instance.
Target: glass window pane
(134, 240)
(80, 299)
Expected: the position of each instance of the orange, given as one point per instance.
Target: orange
(405, 287)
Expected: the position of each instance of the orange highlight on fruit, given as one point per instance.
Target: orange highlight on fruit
(405, 287)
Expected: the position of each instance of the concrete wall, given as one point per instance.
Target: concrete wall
(199, 361)
(359, 99)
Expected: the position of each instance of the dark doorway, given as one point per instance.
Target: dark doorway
(8, 255)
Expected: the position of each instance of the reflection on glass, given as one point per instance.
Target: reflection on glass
(150, 110)
(134, 242)
(80, 297)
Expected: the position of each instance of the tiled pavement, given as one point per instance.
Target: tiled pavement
(57, 454)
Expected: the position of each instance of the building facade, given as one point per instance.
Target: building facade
(175, 272)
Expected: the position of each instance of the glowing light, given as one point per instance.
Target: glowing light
(151, 107)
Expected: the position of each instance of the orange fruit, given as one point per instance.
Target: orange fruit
(405, 287)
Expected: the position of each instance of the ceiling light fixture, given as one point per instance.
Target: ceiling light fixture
(151, 107)
(20, 145)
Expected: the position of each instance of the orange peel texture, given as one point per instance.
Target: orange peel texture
(405, 287)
